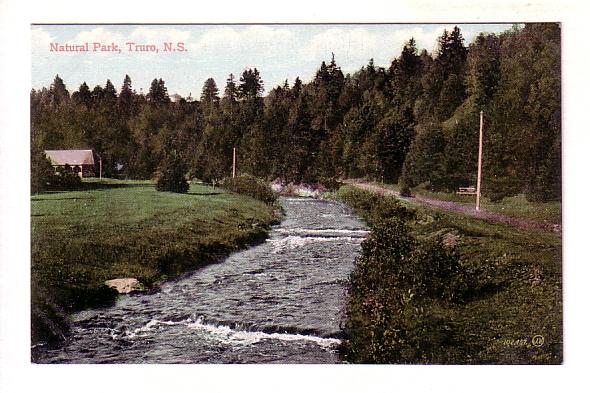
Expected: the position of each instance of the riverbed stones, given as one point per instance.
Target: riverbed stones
(125, 285)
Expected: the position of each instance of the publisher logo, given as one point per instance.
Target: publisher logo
(538, 340)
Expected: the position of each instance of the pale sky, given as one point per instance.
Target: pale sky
(278, 51)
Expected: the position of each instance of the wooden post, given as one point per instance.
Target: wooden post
(234, 164)
(479, 159)
(100, 169)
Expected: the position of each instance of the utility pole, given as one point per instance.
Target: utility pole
(234, 164)
(479, 159)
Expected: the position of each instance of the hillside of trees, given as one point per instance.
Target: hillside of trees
(415, 122)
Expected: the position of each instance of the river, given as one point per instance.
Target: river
(279, 302)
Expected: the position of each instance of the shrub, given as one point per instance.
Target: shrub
(65, 179)
(497, 188)
(404, 189)
(41, 171)
(361, 200)
(373, 207)
(331, 183)
(44, 178)
(397, 283)
(251, 186)
(434, 270)
(416, 298)
(171, 175)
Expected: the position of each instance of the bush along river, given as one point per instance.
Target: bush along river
(279, 302)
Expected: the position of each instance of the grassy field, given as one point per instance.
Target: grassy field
(507, 290)
(127, 229)
(516, 206)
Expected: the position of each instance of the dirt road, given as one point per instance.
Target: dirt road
(460, 208)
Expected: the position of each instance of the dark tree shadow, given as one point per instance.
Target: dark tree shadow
(204, 193)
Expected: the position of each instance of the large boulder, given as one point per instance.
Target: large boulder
(125, 285)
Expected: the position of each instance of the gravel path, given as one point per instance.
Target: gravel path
(461, 208)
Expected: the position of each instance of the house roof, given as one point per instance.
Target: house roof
(70, 157)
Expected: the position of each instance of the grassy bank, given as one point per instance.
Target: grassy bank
(80, 239)
(515, 206)
(437, 287)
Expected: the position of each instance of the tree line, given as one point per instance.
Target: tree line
(414, 122)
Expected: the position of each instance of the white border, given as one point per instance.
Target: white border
(16, 372)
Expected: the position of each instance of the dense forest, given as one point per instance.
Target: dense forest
(414, 123)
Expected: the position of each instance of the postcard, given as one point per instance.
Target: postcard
(325, 193)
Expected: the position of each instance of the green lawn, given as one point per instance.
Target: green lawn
(127, 229)
(519, 292)
(516, 206)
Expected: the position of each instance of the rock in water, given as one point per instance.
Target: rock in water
(125, 285)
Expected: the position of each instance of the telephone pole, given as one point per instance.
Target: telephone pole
(479, 159)
(100, 169)
(234, 164)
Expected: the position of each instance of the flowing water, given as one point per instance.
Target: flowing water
(279, 302)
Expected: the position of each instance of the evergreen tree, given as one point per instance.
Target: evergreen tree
(335, 81)
(231, 89)
(171, 174)
(58, 93)
(230, 95)
(354, 128)
(450, 66)
(210, 93)
(395, 132)
(424, 161)
(83, 96)
(214, 150)
(109, 92)
(525, 112)
(97, 95)
(300, 156)
(451, 52)
(276, 140)
(149, 146)
(297, 87)
(443, 90)
(461, 134)
(251, 85)
(158, 94)
(483, 64)
(41, 170)
(127, 98)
